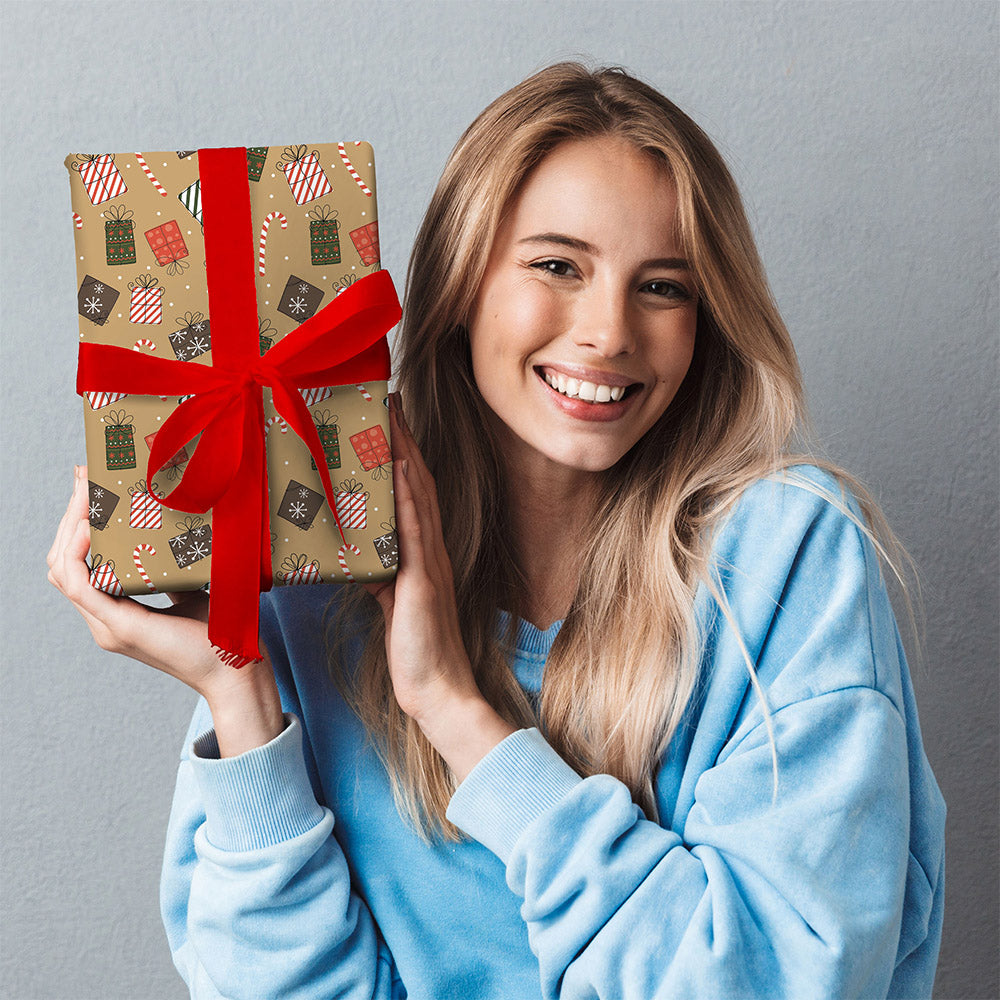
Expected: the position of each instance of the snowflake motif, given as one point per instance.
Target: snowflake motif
(93, 305)
(182, 355)
(297, 509)
(303, 288)
(97, 288)
(178, 542)
(197, 551)
(199, 345)
(98, 492)
(303, 492)
(95, 512)
(198, 532)
(197, 327)
(297, 305)
(182, 560)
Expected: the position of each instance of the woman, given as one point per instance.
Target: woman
(716, 786)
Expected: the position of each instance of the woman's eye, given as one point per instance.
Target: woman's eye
(668, 290)
(560, 268)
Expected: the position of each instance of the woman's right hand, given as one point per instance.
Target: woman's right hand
(245, 704)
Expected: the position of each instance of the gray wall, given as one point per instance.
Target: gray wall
(864, 139)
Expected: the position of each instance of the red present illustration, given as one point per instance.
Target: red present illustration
(100, 176)
(298, 570)
(314, 396)
(372, 450)
(304, 174)
(102, 576)
(168, 246)
(145, 300)
(351, 504)
(365, 241)
(172, 465)
(145, 510)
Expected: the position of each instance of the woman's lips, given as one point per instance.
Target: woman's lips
(582, 410)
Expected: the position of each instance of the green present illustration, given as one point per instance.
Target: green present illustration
(256, 155)
(324, 235)
(267, 332)
(119, 440)
(326, 427)
(119, 235)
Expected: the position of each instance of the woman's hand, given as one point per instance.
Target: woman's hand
(431, 674)
(246, 708)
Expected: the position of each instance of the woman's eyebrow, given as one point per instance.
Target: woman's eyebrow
(573, 243)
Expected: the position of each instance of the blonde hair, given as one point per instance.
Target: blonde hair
(624, 663)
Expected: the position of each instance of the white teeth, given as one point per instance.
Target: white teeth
(587, 391)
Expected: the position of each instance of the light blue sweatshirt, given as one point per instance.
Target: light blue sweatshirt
(289, 873)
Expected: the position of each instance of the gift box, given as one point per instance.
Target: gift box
(119, 235)
(242, 351)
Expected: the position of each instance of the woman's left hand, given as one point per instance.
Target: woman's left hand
(431, 674)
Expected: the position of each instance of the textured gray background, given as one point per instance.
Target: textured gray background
(864, 139)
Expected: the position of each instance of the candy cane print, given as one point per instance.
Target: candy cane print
(271, 421)
(263, 235)
(364, 392)
(144, 342)
(341, 558)
(150, 175)
(143, 547)
(77, 221)
(350, 168)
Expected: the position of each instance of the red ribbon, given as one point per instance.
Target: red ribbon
(341, 344)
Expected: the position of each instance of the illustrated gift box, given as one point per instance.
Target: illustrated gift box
(183, 402)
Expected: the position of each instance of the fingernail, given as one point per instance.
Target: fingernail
(406, 465)
(76, 473)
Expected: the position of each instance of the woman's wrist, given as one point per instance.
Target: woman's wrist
(246, 708)
(464, 729)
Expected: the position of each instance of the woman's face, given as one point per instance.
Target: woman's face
(584, 288)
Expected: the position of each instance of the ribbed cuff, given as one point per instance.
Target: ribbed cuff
(517, 781)
(259, 798)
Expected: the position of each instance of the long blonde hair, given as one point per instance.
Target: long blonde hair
(624, 663)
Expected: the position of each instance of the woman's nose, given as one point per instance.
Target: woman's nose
(605, 323)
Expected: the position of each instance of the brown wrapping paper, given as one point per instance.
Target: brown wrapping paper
(141, 276)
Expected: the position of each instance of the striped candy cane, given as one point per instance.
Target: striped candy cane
(263, 235)
(350, 168)
(271, 421)
(150, 175)
(77, 221)
(144, 342)
(342, 559)
(143, 547)
(364, 392)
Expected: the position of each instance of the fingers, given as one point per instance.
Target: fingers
(67, 523)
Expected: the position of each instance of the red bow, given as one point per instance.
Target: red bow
(343, 343)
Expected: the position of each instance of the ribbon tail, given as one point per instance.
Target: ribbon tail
(292, 407)
(237, 525)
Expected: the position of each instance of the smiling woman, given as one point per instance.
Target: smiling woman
(633, 719)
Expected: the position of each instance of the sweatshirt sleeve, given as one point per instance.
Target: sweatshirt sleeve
(256, 895)
(757, 894)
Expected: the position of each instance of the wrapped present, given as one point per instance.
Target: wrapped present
(96, 299)
(197, 413)
(387, 545)
(365, 240)
(102, 505)
(119, 440)
(297, 569)
(304, 174)
(326, 427)
(352, 501)
(145, 303)
(372, 449)
(193, 339)
(145, 510)
(168, 246)
(256, 158)
(119, 235)
(102, 576)
(102, 180)
(324, 235)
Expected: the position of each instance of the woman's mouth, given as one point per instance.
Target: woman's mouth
(588, 400)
